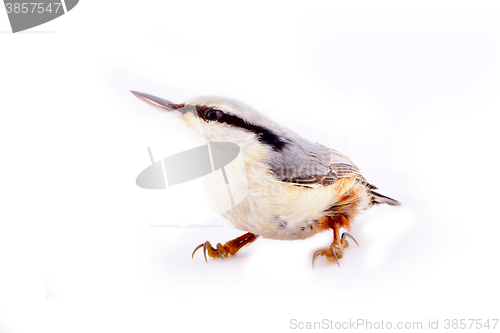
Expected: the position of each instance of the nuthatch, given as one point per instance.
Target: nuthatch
(296, 188)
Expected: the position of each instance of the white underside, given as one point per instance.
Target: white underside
(270, 208)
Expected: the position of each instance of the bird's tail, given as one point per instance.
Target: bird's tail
(378, 198)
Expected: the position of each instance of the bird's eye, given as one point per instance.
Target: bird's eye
(213, 114)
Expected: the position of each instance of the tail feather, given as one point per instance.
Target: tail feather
(378, 198)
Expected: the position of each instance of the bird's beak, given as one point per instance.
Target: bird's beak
(162, 103)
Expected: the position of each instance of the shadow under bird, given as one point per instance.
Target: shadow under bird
(296, 187)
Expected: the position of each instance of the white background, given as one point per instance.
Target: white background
(409, 91)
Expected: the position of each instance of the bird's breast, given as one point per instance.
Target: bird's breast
(279, 210)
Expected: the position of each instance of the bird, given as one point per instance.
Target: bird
(296, 188)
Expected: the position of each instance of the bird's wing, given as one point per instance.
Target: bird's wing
(313, 165)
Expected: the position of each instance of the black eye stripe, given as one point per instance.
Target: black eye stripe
(203, 110)
(264, 135)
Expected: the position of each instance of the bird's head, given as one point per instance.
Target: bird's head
(221, 119)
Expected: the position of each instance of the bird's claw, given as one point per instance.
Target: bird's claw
(204, 250)
(219, 252)
(336, 250)
(330, 255)
(229, 248)
(346, 234)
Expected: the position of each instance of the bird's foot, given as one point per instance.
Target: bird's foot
(219, 252)
(229, 248)
(336, 250)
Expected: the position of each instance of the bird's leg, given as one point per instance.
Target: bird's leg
(229, 248)
(336, 250)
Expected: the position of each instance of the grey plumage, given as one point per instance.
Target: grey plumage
(308, 163)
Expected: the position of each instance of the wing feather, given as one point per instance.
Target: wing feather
(313, 165)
